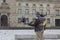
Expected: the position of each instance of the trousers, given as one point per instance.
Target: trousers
(39, 35)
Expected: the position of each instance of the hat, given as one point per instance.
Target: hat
(42, 15)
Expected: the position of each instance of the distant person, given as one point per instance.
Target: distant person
(39, 25)
(25, 20)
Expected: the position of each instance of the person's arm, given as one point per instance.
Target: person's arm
(34, 23)
(31, 23)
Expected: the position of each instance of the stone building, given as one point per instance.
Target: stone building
(12, 11)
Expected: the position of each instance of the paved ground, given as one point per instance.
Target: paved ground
(51, 39)
(51, 34)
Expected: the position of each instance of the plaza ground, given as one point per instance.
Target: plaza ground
(49, 34)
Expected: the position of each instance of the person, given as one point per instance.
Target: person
(39, 25)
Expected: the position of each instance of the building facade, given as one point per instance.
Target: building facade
(12, 12)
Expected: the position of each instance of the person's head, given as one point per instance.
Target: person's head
(42, 15)
(37, 14)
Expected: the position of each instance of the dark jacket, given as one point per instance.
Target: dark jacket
(37, 22)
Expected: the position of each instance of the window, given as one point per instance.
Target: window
(41, 5)
(4, 0)
(34, 4)
(27, 11)
(34, 11)
(48, 12)
(48, 20)
(57, 22)
(27, 4)
(19, 11)
(41, 11)
(19, 4)
(19, 20)
(25, 20)
(57, 13)
(48, 5)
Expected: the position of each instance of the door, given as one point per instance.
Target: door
(57, 22)
(4, 20)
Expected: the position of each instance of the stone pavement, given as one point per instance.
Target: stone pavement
(51, 34)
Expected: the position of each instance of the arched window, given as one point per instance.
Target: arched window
(19, 4)
(41, 5)
(27, 4)
(34, 4)
(48, 5)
